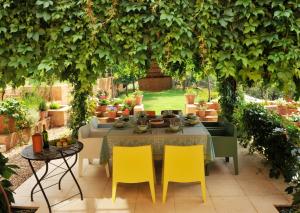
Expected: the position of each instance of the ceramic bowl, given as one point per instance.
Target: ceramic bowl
(142, 127)
(174, 127)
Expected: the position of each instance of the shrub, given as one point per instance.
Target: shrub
(6, 171)
(276, 138)
(16, 110)
(31, 100)
(54, 105)
(43, 106)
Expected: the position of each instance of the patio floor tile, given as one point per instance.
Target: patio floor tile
(265, 204)
(233, 205)
(250, 191)
(193, 205)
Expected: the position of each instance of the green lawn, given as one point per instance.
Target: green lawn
(168, 99)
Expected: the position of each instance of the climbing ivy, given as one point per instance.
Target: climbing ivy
(253, 40)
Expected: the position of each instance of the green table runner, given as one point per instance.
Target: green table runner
(157, 137)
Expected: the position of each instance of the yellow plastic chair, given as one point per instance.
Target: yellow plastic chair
(133, 165)
(183, 164)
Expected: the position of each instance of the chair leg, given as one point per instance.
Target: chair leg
(107, 170)
(80, 166)
(114, 191)
(203, 189)
(226, 159)
(165, 189)
(152, 190)
(236, 164)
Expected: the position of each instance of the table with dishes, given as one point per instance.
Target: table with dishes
(157, 131)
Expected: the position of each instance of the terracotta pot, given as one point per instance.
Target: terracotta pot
(126, 112)
(282, 110)
(213, 105)
(43, 115)
(190, 99)
(211, 112)
(200, 113)
(292, 110)
(112, 114)
(138, 99)
(7, 124)
(102, 108)
(211, 118)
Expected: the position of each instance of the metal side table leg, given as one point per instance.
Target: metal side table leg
(39, 182)
(69, 169)
(59, 182)
(43, 176)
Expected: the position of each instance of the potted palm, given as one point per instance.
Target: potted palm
(43, 110)
(138, 95)
(190, 95)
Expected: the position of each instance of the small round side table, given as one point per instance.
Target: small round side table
(53, 153)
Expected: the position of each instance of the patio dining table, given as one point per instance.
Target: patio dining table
(157, 137)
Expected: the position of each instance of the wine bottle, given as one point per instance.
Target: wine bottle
(45, 137)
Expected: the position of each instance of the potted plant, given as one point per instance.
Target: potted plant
(54, 105)
(103, 105)
(190, 95)
(126, 109)
(43, 110)
(117, 102)
(112, 112)
(102, 94)
(138, 95)
(201, 111)
(13, 116)
(6, 193)
(128, 101)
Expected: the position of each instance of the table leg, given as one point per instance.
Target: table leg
(39, 182)
(69, 169)
(43, 176)
(59, 182)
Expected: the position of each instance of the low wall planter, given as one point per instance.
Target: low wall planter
(7, 124)
(59, 117)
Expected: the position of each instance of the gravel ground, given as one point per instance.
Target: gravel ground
(24, 172)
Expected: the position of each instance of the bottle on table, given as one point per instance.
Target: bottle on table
(45, 137)
(37, 142)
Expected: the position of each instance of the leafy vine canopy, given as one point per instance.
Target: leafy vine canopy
(77, 40)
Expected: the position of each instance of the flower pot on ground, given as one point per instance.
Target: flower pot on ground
(138, 95)
(190, 95)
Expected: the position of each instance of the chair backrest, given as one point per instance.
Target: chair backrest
(94, 122)
(230, 129)
(184, 163)
(132, 164)
(84, 131)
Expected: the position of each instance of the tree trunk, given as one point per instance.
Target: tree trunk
(209, 88)
(133, 85)
(126, 89)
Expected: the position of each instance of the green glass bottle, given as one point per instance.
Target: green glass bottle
(45, 138)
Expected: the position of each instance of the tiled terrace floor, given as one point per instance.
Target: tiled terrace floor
(250, 191)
